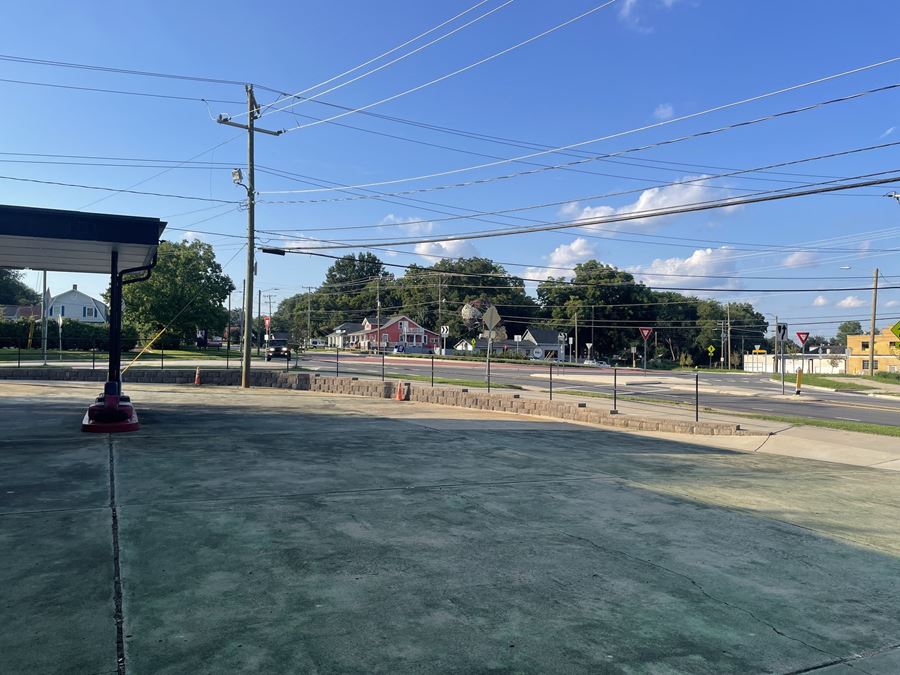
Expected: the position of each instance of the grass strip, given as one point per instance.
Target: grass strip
(840, 425)
(822, 381)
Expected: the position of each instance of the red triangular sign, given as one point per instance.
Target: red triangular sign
(646, 333)
(804, 336)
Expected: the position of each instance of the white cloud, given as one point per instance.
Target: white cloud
(626, 8)
(801, 259)
(887, 132)
(820, 301)
(437, 250)
(664, 111)
(411, 225)
(892, 303)
(689, 190)
(191, 236)
(851, 302)
(562, 260)
(715, 262)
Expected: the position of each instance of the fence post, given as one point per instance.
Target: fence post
(337, 361)
(382, 366)
(696, 397)
(615, 408)
(551, 380)
(432, 372)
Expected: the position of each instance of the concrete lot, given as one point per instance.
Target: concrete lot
(274, 531)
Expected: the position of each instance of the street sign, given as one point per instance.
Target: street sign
(517, 338)
(646, 333)
(895, 329)
(781, 331)
(561, 338)
(267, 320)
(491, 317)
(803, 336)
(633, 349)
(537, 353)
(711, 350)
(445, 331)
(571, 340)
(589, 345)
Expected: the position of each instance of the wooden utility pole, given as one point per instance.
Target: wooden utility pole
(872, 331)
(252, 115)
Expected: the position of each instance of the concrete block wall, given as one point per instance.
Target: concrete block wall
(351, 386)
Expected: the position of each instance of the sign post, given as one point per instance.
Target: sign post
(589, 345)
(781, 333)
(445, 333)
(646, 333)
(710, 350)
(561, 352)
(491, 319)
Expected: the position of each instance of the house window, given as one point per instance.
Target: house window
(866, 364)
(865, 345)
(51, 310)
(90, 312)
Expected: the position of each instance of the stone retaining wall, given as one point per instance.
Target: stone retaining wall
(509, 403)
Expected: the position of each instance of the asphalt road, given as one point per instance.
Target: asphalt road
(741, 393)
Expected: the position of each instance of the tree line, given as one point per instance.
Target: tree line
(607, 305)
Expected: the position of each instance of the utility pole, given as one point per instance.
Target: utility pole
(872, 333)
(728, 318)
(258, 319)
(378, 313)
(45, 306)
(576, 337)
(252, 115)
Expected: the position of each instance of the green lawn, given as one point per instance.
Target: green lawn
(842, 425)
(835, 383)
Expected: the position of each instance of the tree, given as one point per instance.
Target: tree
(187, 288)
(845, 329)
(13, 291)
(606, 299)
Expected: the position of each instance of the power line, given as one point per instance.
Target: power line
(563, 282)
(452, 73)
(708, 132)
(392, 61)
(119, 91)
(109, 189)
(772, 195)
(614, 194)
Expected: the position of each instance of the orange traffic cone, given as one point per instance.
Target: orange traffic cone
(401, 394)
(197, 377)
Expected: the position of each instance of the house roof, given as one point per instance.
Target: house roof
(348, 327)
(74, 241)
(543, 336)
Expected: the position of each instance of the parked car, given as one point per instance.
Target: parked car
(277, 349)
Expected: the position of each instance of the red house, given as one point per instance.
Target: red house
(397, 330)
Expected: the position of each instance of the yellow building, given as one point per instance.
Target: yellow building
(887, 353)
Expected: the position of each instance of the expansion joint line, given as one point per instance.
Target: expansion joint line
(117, 568)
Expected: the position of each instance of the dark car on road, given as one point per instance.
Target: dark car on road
(277, 349)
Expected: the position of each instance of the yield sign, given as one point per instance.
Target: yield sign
(803, 336)
(646, 333)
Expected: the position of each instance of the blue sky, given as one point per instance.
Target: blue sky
(623, 67)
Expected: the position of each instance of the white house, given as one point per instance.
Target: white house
(77, 306)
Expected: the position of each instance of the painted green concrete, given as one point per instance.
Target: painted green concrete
(287, 532)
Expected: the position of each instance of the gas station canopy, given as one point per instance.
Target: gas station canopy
(74, 241)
